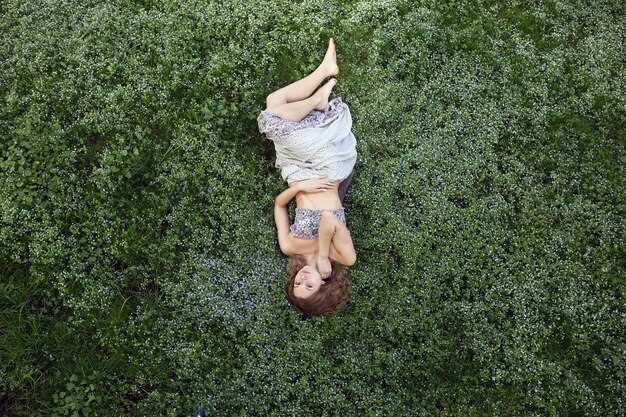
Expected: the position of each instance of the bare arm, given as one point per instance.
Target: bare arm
(288, 194)
(309, 186)
(335, 241)
(341, 246)
(281, 216)
(327, 229)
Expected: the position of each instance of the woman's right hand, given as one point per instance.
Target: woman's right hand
(323, 266)
(315, 185)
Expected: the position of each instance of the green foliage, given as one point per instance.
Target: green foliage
(140, 272)
(79, 398)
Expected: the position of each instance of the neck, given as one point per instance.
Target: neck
(310, 259)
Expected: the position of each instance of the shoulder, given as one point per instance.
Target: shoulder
(296, 246)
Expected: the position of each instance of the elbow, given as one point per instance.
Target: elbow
(351, 260)
(285, 248)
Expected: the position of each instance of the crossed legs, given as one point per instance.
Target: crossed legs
(296, 100)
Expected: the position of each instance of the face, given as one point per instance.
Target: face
(308, 280)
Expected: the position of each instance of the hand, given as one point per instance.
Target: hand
(323, 266)
(315, 185)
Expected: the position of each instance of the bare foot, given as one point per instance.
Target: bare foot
(329, 63)
(323, 93)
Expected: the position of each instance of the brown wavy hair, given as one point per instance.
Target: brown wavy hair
(331, 297)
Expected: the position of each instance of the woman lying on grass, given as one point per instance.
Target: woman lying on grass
(316, 153)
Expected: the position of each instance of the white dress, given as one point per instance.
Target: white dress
(321, 145)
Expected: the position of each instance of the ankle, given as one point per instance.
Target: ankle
(322, 71)
(316, 99)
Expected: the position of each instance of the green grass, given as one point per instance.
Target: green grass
(140, 272)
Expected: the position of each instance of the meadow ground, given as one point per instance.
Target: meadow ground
(140, 270)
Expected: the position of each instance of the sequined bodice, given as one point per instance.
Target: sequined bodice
(307, 222)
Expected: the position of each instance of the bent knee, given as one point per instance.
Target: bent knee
(274, 100)
(351, 260)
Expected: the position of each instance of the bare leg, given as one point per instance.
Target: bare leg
(298, 90)
(303, 88)
(297, 110)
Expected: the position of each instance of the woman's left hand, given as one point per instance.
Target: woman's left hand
(314, 186)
